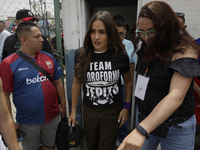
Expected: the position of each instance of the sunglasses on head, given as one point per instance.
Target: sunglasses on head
(180, 15)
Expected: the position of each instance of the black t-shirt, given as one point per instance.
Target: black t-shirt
(103, 87)
(53, 42)
(12, 44)
(159, 83)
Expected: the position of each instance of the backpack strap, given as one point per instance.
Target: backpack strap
(34, 64)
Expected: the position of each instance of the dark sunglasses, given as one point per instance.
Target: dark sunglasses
(121, 34)
(180, 15)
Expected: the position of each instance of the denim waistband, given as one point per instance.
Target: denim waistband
(178, 120)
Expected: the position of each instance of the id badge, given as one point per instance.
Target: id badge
(141, 86)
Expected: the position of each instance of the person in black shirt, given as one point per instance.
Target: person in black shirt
(98, 68)
(167, 64)
(12, 43)
(55, 51)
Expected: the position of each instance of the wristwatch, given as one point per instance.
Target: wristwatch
(142, 131)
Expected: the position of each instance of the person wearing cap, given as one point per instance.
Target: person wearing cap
(12, 43)
(3, 35)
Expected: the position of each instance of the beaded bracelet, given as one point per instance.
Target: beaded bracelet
(127, 105)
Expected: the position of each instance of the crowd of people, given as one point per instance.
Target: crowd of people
(167, 72)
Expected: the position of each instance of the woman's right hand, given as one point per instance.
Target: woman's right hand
(71, 119)
(133, 141)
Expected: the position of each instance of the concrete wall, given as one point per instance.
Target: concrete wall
(191, 8)
(71, 15)
(128, 12)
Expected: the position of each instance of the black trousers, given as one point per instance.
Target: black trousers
(101, 127)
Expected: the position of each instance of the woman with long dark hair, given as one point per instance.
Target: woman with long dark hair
(98, 67)
(164, 88)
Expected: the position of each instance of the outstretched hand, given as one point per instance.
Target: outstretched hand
(133, 141)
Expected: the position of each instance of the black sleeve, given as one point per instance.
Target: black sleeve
(46, 46)
(188, 67)
(53, 42)
(4, 53)
(125, 63)
(11, 45)
(140, 54)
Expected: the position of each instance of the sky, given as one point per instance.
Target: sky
(10, 7)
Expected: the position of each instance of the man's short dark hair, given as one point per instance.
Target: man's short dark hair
(2, 23)
(181, 15)
(24, 28)
(120, 21)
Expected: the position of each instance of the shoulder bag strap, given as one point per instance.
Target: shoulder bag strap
(44, 72)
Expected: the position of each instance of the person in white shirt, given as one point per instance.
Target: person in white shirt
(121, 27)
(3, 35)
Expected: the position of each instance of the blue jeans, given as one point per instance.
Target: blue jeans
(176, 139)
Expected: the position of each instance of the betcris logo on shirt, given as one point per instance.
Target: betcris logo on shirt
(35, 80)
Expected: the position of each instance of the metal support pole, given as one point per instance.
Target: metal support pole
(58, 33)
